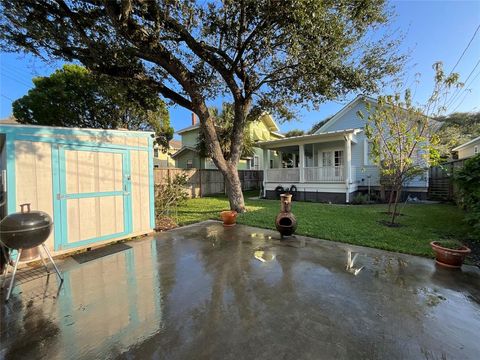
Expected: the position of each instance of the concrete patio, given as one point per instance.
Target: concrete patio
(205, 292)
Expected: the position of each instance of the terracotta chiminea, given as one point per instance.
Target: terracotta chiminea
(286, 223)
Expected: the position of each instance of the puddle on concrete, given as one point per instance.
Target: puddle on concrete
(204, 290)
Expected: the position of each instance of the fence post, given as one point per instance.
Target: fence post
(200, 181)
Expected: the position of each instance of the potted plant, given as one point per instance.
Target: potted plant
(229, 217)
(450, 253)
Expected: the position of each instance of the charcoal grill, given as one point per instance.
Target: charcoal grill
(26, 230)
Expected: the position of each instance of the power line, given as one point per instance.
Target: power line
(6, 97)
(465, 50)
(17, 80)
(459, 91)
(467, 91)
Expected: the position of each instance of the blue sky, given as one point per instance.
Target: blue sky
(434, 31)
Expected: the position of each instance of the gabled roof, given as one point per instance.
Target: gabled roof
(184, 149)
(269, 122)
(9, 121)
(189, 128)
(344, 110)
(351, 104)
(466, 144)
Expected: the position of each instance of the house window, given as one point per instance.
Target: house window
(271, 163)
(327, 158)
(155, 152)
(254, 163)
(189, 164)
(475, 149)
(338, 155)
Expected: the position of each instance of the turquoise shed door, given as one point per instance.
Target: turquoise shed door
(94, 198)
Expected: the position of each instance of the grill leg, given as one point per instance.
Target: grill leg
(12, 280)
(44, 263)
(53, 262)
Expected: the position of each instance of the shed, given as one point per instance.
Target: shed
(96, 184)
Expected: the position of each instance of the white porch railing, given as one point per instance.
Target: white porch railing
(324, 174)
(283, 175)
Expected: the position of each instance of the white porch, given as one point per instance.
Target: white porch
(314, 163)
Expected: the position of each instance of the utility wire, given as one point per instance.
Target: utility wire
(465, 50)
(6, 97)
(16, 79)
(467, 91)
(459, 91)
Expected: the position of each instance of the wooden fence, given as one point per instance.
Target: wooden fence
(203, 182)
(440, 180)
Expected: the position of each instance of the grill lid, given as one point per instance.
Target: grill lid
(18, 222)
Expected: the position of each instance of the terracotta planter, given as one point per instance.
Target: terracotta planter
(229, 217)
(449, 257)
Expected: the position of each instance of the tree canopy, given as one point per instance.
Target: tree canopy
(262, 54)
(75, 97)
(457, 129)
(294, 132)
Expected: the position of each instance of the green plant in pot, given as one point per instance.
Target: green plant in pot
(450, 253)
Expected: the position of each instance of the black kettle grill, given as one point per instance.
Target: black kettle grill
(25, 230)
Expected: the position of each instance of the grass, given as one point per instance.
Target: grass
(354, 224)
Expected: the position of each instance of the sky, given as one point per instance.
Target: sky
(434, 31)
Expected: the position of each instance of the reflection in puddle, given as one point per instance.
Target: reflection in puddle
(351, 263)
(264, 256)
(261, 236)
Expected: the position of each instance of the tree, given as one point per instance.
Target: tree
(295, 132)
(457, 129)
(468, 181)
(224, 122)
(404, 143)
(267, 55)
(318, 125)
(75, 97)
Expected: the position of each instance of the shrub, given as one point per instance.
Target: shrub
(450, 244)
(360, 199)
(170, 194)
(468, 181)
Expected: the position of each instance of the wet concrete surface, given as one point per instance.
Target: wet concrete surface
(205, 292)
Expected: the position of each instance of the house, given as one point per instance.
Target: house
(263, 129)
(164, 159)
(333, 164)
(469, 149)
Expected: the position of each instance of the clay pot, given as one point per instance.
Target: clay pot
(229, 217)
(449, 257)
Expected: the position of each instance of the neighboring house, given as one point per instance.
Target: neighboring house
(333, 164)
(162, 159)
(263, 129)
(469, 149)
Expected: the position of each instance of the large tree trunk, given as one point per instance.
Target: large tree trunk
(227, 167)
(234, 189)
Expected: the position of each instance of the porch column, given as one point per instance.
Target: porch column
(301, 151)
(348, 165)
(266, 163)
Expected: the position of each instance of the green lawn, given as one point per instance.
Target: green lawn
(354, 224)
